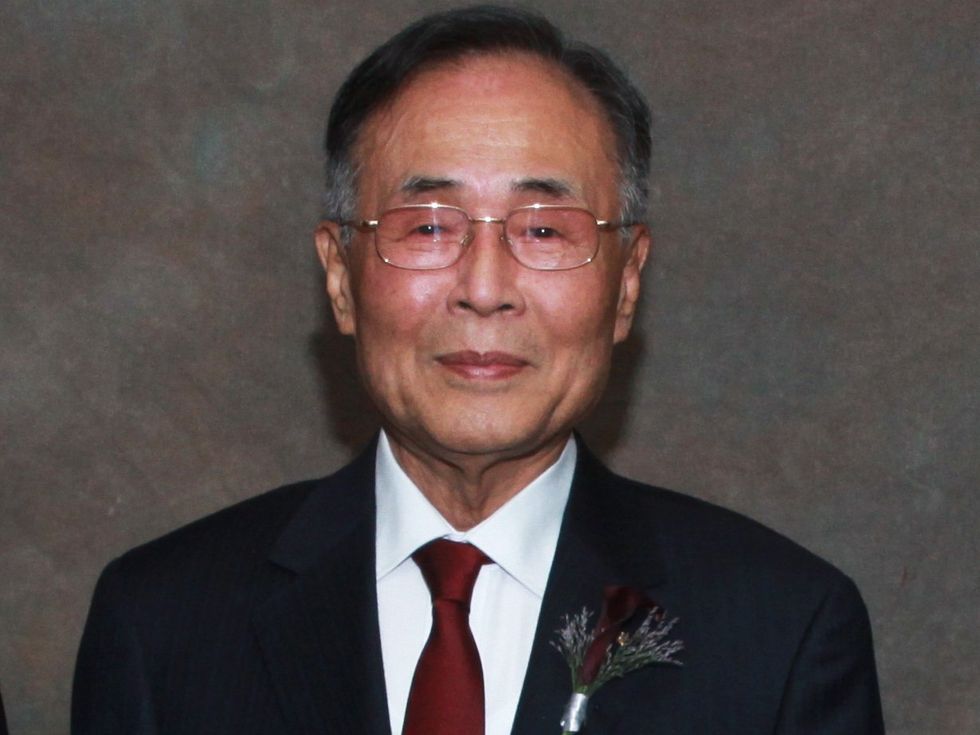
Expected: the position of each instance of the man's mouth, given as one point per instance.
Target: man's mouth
(483, 365)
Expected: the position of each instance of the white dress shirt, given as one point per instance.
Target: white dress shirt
(520, 538)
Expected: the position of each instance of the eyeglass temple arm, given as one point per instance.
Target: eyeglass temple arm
(360, 224)
(605, 224)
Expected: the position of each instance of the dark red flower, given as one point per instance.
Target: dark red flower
(619, 606)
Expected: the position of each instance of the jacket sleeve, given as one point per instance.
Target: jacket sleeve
(111, 693)
(3, 718)
(833, 687)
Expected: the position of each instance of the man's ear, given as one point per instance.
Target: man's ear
(629, 284)
(334, 259)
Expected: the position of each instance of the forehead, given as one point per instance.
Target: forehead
(484, 123)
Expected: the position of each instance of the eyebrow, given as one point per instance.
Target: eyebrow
(555, 188)
(552, 187)
(423, 184)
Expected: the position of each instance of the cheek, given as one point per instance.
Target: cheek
(580, 326)
(581, 312)
(394, 306)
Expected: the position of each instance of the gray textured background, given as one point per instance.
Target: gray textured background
(810, 335)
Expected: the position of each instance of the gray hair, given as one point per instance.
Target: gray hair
(450, 35)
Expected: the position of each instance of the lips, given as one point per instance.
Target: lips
(483, 365)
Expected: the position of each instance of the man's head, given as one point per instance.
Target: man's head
(484, 356)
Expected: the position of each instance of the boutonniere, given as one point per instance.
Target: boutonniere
(610, 650)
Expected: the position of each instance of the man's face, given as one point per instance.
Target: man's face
(485, 357)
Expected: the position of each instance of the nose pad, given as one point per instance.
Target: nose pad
(471, 235)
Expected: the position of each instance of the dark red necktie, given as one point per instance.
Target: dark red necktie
(447, 690)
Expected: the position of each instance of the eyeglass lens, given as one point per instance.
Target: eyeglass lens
(433, 237)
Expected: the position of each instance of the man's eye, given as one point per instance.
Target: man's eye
(426, 230)
(543, 233)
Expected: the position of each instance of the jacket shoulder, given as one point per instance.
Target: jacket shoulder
(699, 536)
(236, 536)
(236, 542)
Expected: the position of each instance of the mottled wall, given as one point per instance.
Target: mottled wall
(807, 353)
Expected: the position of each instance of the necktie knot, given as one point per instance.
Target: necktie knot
(450, 569)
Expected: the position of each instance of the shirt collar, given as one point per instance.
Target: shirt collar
(520, 536)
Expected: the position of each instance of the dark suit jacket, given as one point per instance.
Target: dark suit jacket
(3, 719)
(263, 619)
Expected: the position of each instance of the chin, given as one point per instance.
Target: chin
(496, 436)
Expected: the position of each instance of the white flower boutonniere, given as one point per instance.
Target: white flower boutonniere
(610, 650)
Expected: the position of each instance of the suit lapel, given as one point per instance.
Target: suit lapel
(319, 634)
(598, 546)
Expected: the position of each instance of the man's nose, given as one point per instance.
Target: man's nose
(487, 274)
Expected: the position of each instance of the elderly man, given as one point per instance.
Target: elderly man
(484, 249)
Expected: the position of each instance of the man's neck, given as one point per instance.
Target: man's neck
(467, 488)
